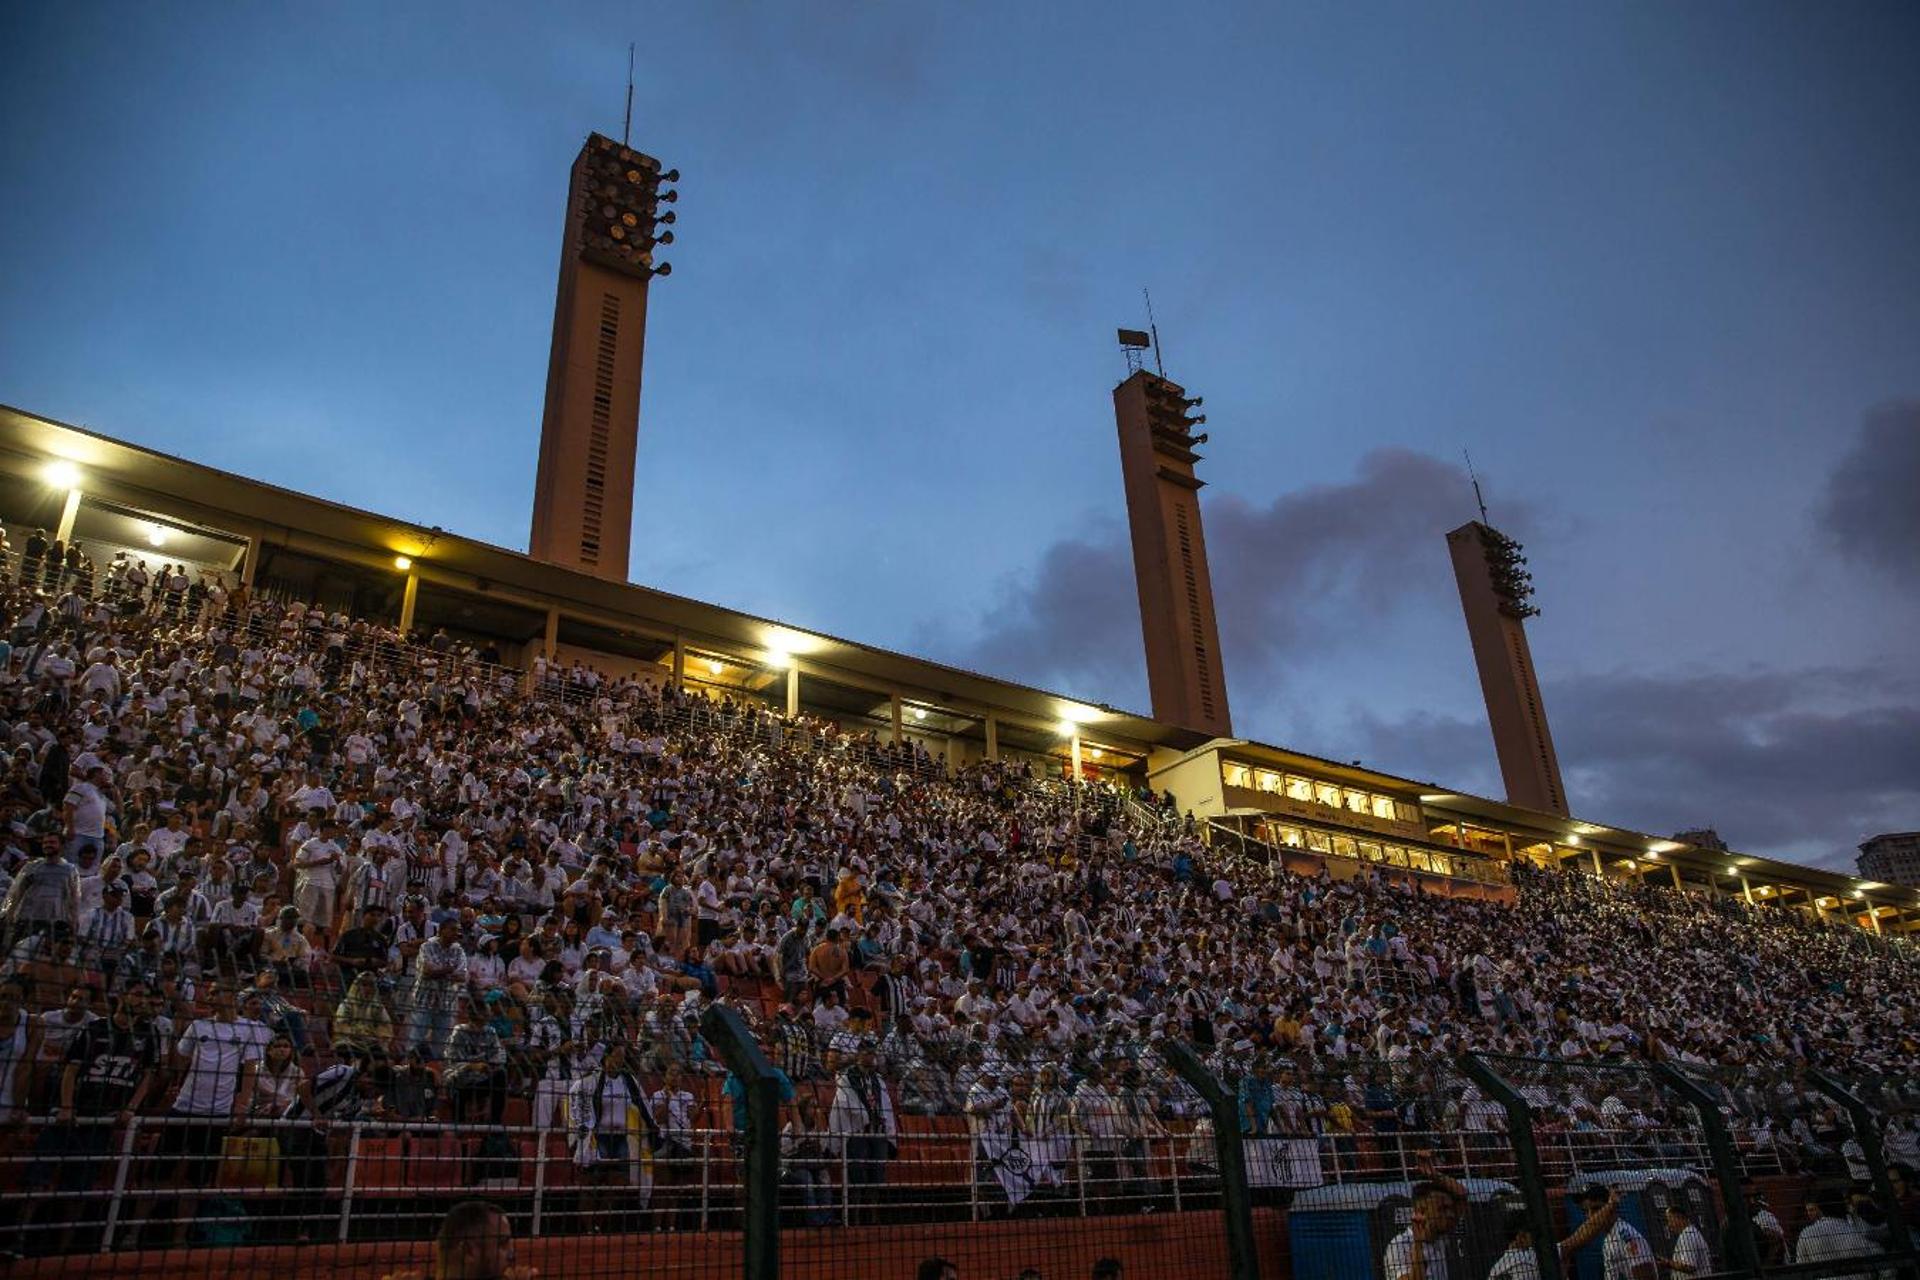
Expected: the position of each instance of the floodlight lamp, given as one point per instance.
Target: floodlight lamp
(671, 197)
(403, 563)
(713, 666)
(671, 175)
(919, 713)
(665, 237)
(664, 269)
(669, 217)
(62, 474)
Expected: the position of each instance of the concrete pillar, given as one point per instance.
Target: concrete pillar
(407, 599)
(551, 641)
(1873, 914)
(1076, 755)
(953, 753)
(67, 513)
(251, 565)
(1676, 877)
(793, 696)
(679, 662)
(993, 738)
(1597, 870)
(894, 699)
(1746, 890)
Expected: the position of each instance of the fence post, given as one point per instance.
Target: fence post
(1526, 1161)
(1743, 1249)
(1866, 1131)
(730, 1038)
(1236, 1201)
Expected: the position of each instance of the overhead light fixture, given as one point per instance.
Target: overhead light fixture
(1096, 753)
(156, 535)
(62, 474)
(713, 666)
(919, 713)
(403, 563)
(779, 659)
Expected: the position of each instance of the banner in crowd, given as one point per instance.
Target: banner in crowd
(1283, 1162)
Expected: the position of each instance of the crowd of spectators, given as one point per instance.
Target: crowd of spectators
(261, 860)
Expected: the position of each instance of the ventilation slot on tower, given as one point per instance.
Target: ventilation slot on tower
(593, 503)
(1202, 665)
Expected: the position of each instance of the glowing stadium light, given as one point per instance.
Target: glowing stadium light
(919, 713)
(713, 666)
(1096, 753)
(61, 474)
(779, 659)
(403, 563)
(156, 535)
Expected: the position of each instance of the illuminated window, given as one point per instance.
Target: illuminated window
(1267, 780)
(1356, 801)
(1326, 793)
(1406, 811)
(1418, 860)
(1318, 842)
(1383, 808)
(1238, 775)
(1370, 851)
(1343, 847)
(1299, 788)
(1291, 837)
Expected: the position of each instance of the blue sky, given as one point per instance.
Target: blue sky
(1654, 265)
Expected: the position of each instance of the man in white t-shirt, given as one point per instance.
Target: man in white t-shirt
(1624, 1252)
(1691, 1256)
(223, 1054)
(86, 814)
(1420, 1252)
(316, 866)
(1519, 1262)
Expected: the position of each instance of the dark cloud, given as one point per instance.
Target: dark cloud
(1793, 763)
(1289, 578)
(1872, 505)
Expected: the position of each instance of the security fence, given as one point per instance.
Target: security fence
(790, 1148)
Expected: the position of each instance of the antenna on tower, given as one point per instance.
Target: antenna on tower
(1158, 364)
(1482, 502)
(626, 126)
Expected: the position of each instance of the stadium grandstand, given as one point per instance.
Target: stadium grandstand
(356, 873)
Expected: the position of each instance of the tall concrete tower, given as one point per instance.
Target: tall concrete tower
(1170, 552)
(583, 492)
(1496, 594)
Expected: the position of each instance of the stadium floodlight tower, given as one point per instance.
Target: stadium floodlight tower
(1157, 441)
(590, 431)
(1496, 594)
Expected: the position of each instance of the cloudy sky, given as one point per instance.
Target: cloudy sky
(1655, 266)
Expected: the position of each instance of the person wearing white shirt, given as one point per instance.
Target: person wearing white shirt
(1691, 1256)
(316, 866)
(1624, 1252)
(1420, 1252)
(1829, 1237)
(1520, 1262)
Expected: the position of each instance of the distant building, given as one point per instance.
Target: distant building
(1702, 838)
(1893, 858)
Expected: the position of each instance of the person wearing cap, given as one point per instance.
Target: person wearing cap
(863, 1121)
(107, 930)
